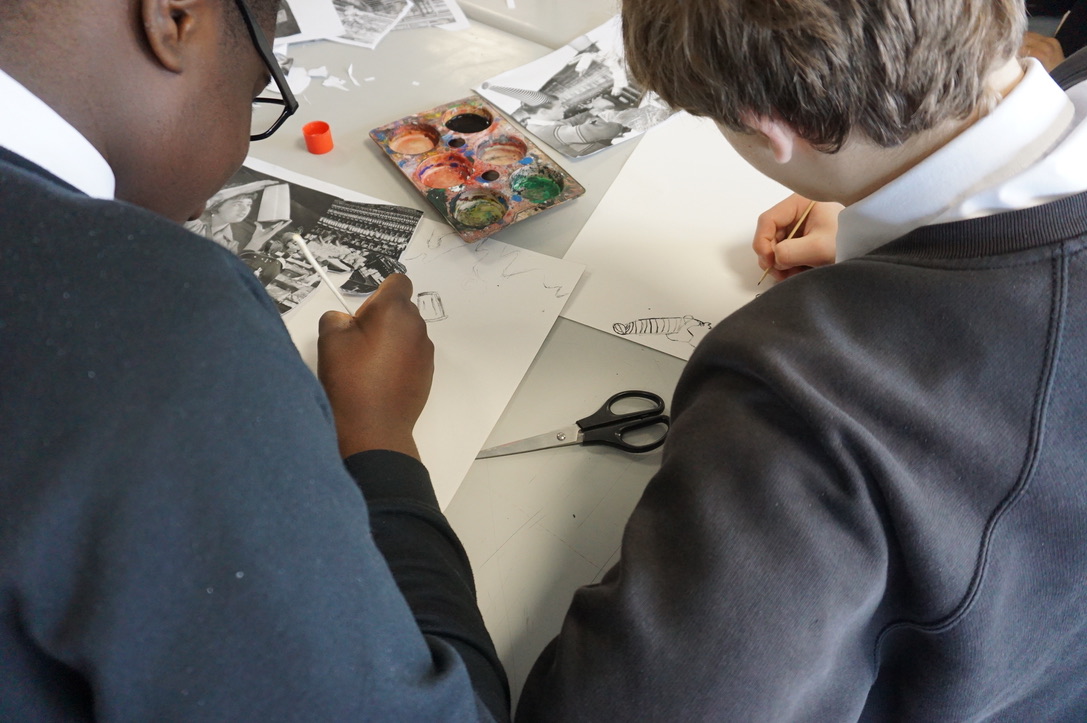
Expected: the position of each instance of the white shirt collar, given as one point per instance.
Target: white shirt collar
(33, 130)
(990, 167)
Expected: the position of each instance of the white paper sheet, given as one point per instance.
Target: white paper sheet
(668, 250)
(489, 308)
(302, 20)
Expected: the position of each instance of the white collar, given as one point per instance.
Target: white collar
(971, 175)
(33, 130)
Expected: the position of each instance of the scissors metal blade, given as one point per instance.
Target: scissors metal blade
(558, 438)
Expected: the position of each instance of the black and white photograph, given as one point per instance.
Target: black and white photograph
(286, 24)
(445, 14)
(254, 213)
(299, 21)
(578, 99)
(366, 22)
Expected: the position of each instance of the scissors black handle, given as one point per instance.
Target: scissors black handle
(607, 427)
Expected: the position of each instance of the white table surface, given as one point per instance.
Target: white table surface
(552, 23)
(539, 525)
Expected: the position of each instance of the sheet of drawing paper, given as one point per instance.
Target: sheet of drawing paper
(668, 250)
(579, 99)
(488, 305)
(367, 22)
(444, 14)
(299, 21)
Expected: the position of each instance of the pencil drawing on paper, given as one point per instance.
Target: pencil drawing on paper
(431, 307)
(683, 329)
(560, 289)
(493, 263)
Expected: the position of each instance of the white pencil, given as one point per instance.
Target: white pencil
(1061, 23)
(297, 238)
(788, 238)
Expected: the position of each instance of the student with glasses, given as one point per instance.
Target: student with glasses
(182, 533)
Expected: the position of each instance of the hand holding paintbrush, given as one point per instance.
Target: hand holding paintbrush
(813, 229)
(304, 248)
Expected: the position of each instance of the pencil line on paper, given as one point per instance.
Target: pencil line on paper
(301, 242)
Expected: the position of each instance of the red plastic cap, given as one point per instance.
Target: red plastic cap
(318, 137)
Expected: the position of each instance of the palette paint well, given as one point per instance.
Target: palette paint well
(474, 167)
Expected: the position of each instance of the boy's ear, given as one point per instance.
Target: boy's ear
(170, 26)
(778, 135)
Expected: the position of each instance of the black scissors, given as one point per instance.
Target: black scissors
(602, 427)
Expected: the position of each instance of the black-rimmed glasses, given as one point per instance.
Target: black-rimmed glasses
(268, 113)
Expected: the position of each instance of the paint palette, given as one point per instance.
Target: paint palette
(471, 165)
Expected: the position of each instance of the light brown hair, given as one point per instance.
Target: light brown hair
(889, 69)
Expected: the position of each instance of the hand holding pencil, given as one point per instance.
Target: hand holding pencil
(376, 366)
(796, 235)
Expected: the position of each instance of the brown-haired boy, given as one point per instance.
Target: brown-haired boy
(872, 503)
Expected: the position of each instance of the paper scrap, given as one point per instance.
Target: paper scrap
(298, 80)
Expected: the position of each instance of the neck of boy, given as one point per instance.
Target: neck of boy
(863, 167)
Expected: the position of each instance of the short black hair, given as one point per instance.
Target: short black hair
(12, 11)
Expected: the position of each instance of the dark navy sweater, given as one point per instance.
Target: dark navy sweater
(872, 503)
(179, 538)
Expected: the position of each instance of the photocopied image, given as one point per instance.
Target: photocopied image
(366, 22)
(253, 214)
(579, 99)
(303, 20)
(445, 14)
(286, 23)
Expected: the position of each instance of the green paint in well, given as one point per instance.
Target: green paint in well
(536, 188)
